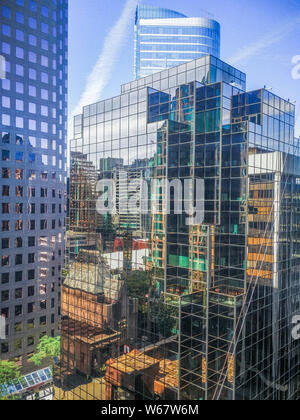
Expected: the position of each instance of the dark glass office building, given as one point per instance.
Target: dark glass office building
(33, 114)
(165, 38)
(167, 307)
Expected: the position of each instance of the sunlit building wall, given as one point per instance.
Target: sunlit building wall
(33, 171)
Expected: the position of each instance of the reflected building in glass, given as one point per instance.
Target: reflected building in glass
(165, 38)
(33, 117)
(173, 307)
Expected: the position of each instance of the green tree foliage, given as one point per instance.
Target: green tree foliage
(138, 284)
(165, 318)
(49, 347)
(9, 371)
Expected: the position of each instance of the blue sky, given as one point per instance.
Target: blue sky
(260, 37)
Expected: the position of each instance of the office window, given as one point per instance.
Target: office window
(44, 192)
(19, 140)
(32, 5)
(32, 225)
(32, 74)
(19, 208)
(32, 23)
(44, 94)
(5, 138)
(31, 274)
(18, 293)
(4, 278)
(5, 102)
(44, 62)
(18, 310)
(32, 57)
(19, 35)
(19, 225)
(30, 341)
(30, 324)
(19, 17)
(18, 276)
(18, 327)
(5, 173)
(43, 224)
(32, 40)
(5, 260)
(4, 348)
(32, 123)
(6, 12)
(45, 28)
(31, 241)
(5, 296)
(6, 30)
(31, 191)
(19, 191)
(5, 225)
(31, 208)
(19, 174)
(45, 11)
(19, 156)
(6, 86)
(19, 105)
(5, 243)
(18, 344)
(30, 308)
(20, 87)
(31, 175)
(5, 208)
(19, 259)
(20, 53)
(19, 242)
(5, 155)
(32, 91)
(5, 190)
(19, 70)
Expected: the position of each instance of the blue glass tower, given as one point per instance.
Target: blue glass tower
(165, 38)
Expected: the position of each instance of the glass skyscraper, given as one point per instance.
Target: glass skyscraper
(33, 115)
(165, 38)
(163, 307)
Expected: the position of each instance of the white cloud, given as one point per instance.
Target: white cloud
(102, 71)
(267, 41)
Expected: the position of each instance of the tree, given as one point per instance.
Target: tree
(165, 318)
(138, 284)
(48, 347)
(9, 372)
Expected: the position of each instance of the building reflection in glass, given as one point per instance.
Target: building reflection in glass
(154, 307)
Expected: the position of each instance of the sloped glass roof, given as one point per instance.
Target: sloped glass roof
(25, 382)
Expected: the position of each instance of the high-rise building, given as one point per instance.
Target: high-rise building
(33, 140)
(165, 38)
(202, 309)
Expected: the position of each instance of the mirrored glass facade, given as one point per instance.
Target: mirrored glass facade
(33, 112)
(160, 306)
(165, 38)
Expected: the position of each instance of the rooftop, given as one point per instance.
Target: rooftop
(132, 362)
